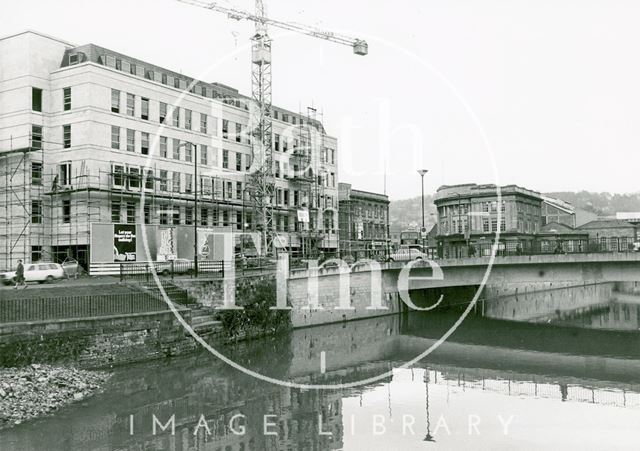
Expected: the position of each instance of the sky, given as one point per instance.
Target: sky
(543, 94)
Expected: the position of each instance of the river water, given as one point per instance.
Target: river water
(571, 382)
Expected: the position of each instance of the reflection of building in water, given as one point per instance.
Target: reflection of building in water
(537, 386)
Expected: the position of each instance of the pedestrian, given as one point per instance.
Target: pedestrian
(20, 275)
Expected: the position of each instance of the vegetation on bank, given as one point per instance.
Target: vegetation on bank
(257, 319)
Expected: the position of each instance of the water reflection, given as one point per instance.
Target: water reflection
(546, 385)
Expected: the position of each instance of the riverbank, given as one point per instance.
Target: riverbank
(36, 390)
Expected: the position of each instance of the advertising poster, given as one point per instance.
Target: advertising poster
(124, 242)
(167, 249)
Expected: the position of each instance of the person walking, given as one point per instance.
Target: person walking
(20, 275)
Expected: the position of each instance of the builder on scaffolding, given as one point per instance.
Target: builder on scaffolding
(20, 275)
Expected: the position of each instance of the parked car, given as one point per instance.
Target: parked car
(36, 272)
(407, 254)
(179, 265)
(71, 267)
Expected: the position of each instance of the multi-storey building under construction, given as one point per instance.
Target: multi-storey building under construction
(91, 139)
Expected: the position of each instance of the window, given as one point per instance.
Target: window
(36, 173)
(36, 137)
(203, 123)
(144, 107)
(66, 211)
(187, 119)
(134, 178)
(188, 183)
(225, 159)
(277, 173)
(164, 216)
(36, 253)
(66, 136)
(115, 211)
(163, 146)
(494, 224)
(188, 215)
(239, 190)
(503, 225)
(176, 149)
(225, 128)
(66, 99)
(36, 99)
(164, 178)
(131, 104)
(333, 156)
(115, 101)
(204, 216)
(131, 212)
(36, 212)
(238, 161)
(147, 214)
(285, 144)
(163, 112)
(175, 181)
(115, 137)
(204, 157)
(176, 216)
(148, 182)
(188, 152)
(176, 116)
(118, 176)
(225, 218)
(276, 142)
(238, 133)
(131, 140)
(144, 143)
(239, 220)
(74, 58)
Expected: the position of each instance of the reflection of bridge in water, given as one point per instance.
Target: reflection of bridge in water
(537, 386)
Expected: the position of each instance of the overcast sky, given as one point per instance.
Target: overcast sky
(553, 86)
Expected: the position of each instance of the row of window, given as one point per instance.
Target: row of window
(36, 99)
(126, 211)
(182, 83)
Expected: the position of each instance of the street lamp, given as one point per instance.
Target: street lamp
(422, 172)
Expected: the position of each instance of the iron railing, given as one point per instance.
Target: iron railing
(70, 307)
(171, 269)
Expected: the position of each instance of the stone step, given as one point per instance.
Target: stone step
(201, 319)
(207, 327)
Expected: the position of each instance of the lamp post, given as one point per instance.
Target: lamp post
(422, 172)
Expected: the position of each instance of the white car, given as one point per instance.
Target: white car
(36, 272)
(407, 254)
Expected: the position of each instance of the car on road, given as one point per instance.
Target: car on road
(36, 272)
(71, 267)
(179, 266)
(407, 254)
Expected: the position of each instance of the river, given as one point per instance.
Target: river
(569, 382)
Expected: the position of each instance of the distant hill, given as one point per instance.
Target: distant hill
(403, 212)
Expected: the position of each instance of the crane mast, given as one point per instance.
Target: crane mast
(261, 183)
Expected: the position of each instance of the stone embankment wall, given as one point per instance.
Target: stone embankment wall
(95, 342)
(532, 301)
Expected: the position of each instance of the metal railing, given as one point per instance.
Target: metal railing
(70, 307)
(544, 247)
(171, 269)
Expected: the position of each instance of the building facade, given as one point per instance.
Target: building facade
(92, 136)
(468, 218)
(363, 221)
(610, 234)
(557, 211)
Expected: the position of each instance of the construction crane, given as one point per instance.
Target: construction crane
(261, 182)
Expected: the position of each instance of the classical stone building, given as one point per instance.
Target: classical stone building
(468, 218)
(92, 136)
(363, 221)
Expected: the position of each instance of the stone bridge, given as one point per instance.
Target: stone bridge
(509, 276)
